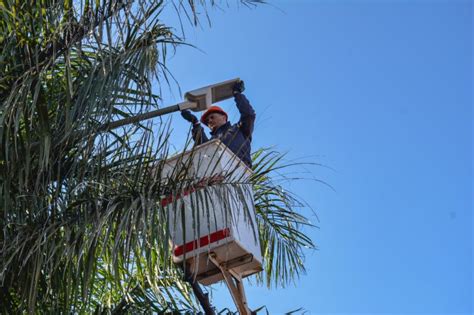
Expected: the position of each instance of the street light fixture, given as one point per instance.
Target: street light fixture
(196, 100)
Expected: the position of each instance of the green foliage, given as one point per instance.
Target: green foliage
(82, 227)
(282, 238)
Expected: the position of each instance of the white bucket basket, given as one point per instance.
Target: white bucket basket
(212, 211)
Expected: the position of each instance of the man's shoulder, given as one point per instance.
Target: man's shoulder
(230, 128)
(236, 126)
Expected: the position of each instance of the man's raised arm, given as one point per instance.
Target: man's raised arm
(199, 136)
(247, 113)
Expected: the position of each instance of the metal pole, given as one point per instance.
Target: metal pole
(152, 114)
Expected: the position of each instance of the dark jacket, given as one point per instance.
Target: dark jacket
(238, 136)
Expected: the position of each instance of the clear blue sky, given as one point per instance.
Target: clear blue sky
(381, 91)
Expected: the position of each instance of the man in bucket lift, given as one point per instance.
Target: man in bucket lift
(237, 136)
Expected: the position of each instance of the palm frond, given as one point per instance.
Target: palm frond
(281, 225)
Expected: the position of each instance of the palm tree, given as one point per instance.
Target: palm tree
(82, 228)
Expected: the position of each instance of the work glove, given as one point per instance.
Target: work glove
(189, 117)
(238, 87)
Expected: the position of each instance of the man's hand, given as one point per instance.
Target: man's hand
(238, 87)
(189, 117)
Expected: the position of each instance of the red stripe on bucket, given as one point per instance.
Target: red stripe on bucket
(203, 241)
